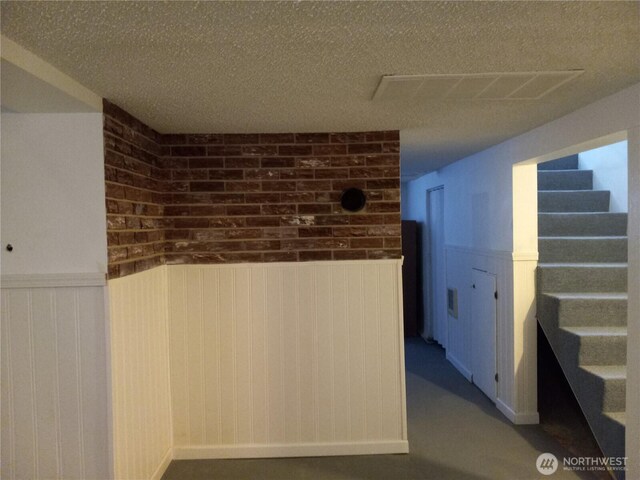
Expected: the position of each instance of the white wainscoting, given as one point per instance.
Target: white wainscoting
(55, 395)
(516, 328)
(140, 375)
(287, 359)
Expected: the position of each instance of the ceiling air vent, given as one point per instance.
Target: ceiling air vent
(472, 86)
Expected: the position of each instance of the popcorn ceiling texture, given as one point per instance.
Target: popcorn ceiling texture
(232, 67)
(228, 198)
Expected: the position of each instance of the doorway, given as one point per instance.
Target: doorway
(435, 307)
(483, 332)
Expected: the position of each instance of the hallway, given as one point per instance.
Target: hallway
(454, 433)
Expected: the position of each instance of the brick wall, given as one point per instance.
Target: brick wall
(220, 198)
(275, 197)
(134, 186)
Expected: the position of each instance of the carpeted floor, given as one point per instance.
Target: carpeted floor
(455, 432)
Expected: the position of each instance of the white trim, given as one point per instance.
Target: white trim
(24, 59)
(289, 450)
(164, 464)
(53, 280)
(481, 251)
(461, 368)
(383, 261)
(525, 256)
(531, 418)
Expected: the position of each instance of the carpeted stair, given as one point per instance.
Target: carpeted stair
(582, 293)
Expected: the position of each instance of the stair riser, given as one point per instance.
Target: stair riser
(579, 312)
(565, 180)
(578, 201)
(565, 250)
(568, 224)
(593, 350)
(564, 163)
(582, 279)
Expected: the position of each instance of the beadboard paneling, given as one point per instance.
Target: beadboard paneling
(55, 397)
(270, 358)
(140, 378)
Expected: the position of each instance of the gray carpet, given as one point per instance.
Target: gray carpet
(455, 432)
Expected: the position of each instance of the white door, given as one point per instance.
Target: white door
(435, 299)
(483, 332)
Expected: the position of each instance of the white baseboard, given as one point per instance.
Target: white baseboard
(531, 418)
(461, 368)
(157, 475)
(53, 280)
(286, 450)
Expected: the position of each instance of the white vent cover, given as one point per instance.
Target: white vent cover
(469, 86)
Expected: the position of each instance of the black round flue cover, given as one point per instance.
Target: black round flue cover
(353, 199)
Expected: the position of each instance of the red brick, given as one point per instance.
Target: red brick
(314, 232)
(206, 139)
(241, 138)
(263, 221)
(313, 185)
(282, 186)
(311, 255)
(393, 147)
(313, 162)
(277, 138)
(278, 162)
(226, 174)
(295, 150)
(188, 151)
(329, 149)
(312, 138)
(262, 173)
(263, 197)
(384, 183)
(206, 162)
(386, 253)
(352, 137)
(280, 257)
(355, 148)
(259, 150)
(207, 186)
(224, 151)
(243, 210)
(278, 209)
(330, 173)
(254, 186)
(314, 208)
(376, 207)
(349, 254)
(242, 162)
(366, 243)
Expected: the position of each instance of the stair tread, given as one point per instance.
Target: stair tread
(591, 331)
(619, 417)
(574, 191)
(608, 372)
(589, 237)
(584, 265)
(588, 296)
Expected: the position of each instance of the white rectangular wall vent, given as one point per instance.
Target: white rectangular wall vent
(471, 86)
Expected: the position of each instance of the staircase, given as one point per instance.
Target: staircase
(582, 293)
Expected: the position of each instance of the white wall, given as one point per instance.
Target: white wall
(142, 438)
(633, 323)
(609, 165)
(285, 359)
(485, 197)
(52, 196)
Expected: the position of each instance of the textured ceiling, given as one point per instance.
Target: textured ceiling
(314, 66)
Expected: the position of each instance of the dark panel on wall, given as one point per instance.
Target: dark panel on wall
(410, 277)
